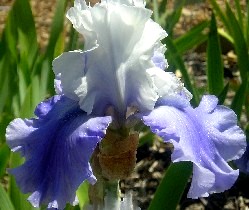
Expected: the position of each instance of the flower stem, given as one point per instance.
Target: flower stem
(105, 194)
(112, 160)
(112, 198)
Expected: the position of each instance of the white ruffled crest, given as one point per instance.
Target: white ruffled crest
(120, 41)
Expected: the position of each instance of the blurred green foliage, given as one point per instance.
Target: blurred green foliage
(26, 76)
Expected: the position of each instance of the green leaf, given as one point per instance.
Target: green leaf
(192, 38)
(47, 78)
(215, 70)
(172, 186)
(220, 14)
(225, 35)
(239, 44)
(20, 50)
(239, 13)
(82, 194)
(18, 198)
(8, 83)
(162, 7)
(9, 38)
(26, 108)
(146, 137)
(4, 91)
(239, 99)
(5, 203)
(5, 118)
(27, 39)
(73, 40)
(174, 17)
(247, 108)
(34, 95)
(241, 50)
(60, 45)
(222, 96)
(247, 24)
(69, 207)
(22, 83)
(4, 157)
(56, 28)
(155, 11)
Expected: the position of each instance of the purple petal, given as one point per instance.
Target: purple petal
(158, 57)
(43, 108)
(57, 147)
(208, 136)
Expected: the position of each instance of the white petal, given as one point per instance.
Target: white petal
(166, 83)
(70, 66)
(120, 41)
(80, 16)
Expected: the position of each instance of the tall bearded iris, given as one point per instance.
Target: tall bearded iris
(116, 82)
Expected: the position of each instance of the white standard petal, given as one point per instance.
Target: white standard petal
(167, 84)
(71, 68)
(80, 16)
(120, 41)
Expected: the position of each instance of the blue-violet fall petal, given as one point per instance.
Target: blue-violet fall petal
(208, 136)
(57, 147)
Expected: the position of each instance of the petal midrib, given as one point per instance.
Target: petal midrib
(119, 94)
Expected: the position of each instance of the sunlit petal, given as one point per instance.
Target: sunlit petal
(122, 48)
(57, 147)
(208, 136)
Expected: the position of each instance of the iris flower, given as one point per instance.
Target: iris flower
(117, 81)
